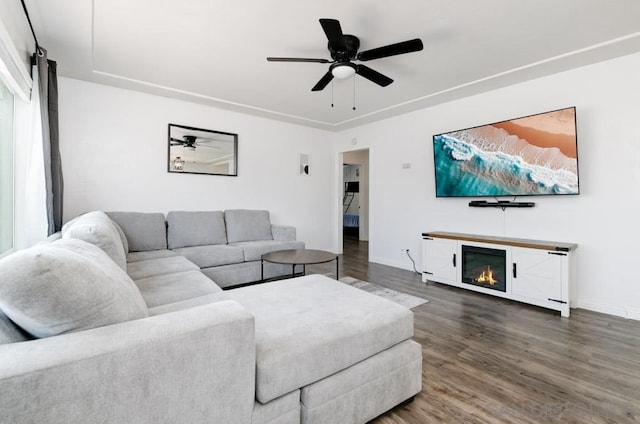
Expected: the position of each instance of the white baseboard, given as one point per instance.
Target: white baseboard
(608, 308)
(633, 313)
(396, 264)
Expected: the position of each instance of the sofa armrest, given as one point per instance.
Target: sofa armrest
(190, 366)
(283, 232)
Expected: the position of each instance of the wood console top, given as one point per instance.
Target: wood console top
(532, 244)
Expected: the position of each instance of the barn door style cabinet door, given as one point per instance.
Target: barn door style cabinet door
(530, 271)
(540, 277)
(440, 259)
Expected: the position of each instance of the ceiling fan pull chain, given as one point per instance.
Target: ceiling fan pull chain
(354, 92)
(331, 93)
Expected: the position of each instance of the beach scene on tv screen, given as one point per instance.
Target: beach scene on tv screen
(534, 155)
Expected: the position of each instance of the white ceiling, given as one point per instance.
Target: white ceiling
(214, 51)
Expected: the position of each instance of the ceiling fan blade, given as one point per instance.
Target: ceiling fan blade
(297, 59)
(177, 140)
(208, 147)
(373, 76)
(409, 46)
(333, 31)
(326, 79)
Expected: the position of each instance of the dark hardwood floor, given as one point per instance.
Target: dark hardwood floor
(490, 360)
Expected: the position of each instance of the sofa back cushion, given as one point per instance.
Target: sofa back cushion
(247, 225)
(186, 228)
(66, 286)
(98, 229)
(144, 230)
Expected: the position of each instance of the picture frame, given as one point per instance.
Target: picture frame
(192, 150)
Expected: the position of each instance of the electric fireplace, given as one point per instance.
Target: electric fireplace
(484, 267)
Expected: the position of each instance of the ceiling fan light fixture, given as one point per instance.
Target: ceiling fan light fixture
(178, 163)
(343, 70)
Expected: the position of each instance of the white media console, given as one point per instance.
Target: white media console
(530, 271)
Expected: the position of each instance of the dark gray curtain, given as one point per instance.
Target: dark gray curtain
(48, 90)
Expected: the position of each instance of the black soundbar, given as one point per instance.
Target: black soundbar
(500, 204)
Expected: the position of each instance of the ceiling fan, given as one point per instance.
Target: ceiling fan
(192, 141)
(344, 49)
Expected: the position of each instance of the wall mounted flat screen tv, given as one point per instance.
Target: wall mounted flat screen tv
(528, 156)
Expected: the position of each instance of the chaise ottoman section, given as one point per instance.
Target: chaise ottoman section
(366, 389)
(310, 327)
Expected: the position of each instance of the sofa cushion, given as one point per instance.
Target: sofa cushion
(213, 255)
(310, 327)
(186, 229)
(247, 225)
(66, 286)
(170, 288)
(98, 229)
(253, 250)
(144, 230)
(150, 254)
(159, 266)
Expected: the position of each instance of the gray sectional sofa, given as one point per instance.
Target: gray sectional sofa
(226, 246)
(108, 325)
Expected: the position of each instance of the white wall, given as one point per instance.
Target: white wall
(114, 151)
(602, 219)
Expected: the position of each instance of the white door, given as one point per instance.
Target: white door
(440, 260)
(537, 274)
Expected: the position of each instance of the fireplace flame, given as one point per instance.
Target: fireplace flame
(487, 277)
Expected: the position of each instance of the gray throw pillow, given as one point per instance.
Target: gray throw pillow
(68, 285)
(247, 225)
(98, 229)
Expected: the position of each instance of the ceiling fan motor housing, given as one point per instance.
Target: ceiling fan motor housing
(346, 52)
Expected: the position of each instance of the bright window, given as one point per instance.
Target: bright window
(6, 169)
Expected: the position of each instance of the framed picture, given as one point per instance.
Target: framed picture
(200, 151)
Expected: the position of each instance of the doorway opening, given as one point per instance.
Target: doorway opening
(355, 196)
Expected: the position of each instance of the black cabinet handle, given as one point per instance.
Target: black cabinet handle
(454, 260)
(515, 270)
